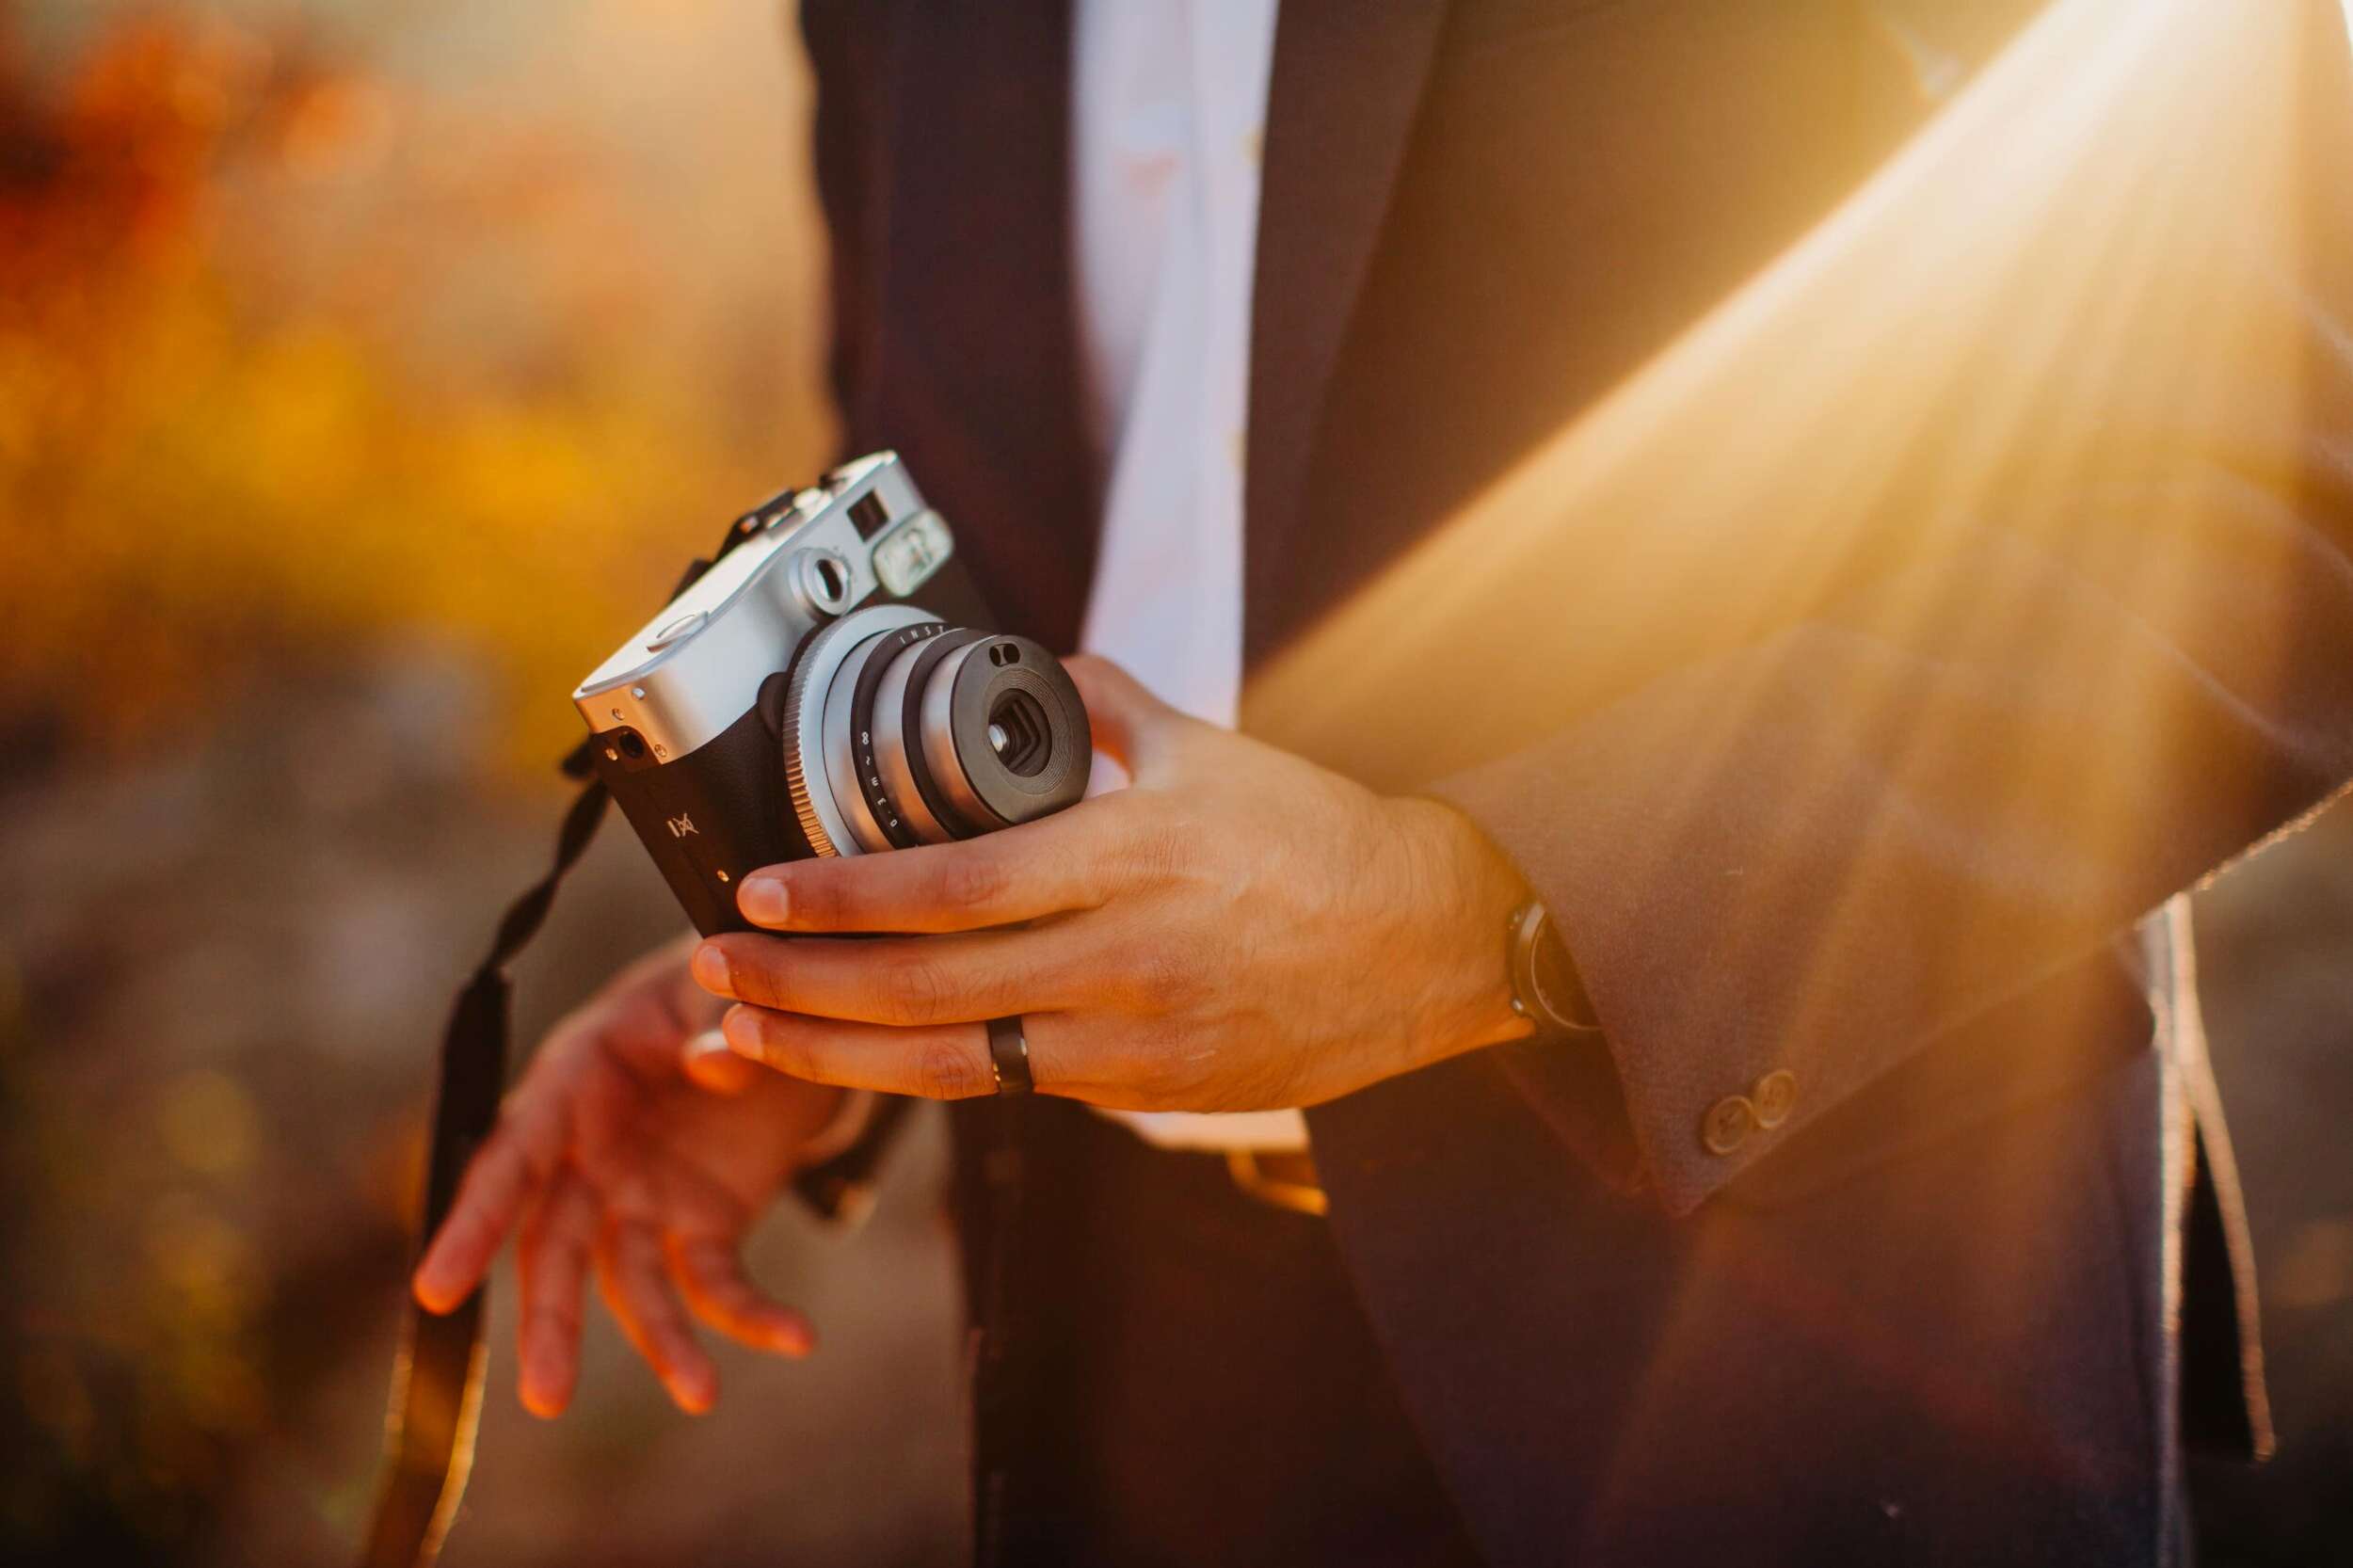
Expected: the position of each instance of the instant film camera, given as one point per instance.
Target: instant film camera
(827, 688)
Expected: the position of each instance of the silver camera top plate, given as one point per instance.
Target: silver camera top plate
(696, 666)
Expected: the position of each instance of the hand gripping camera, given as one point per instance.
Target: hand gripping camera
(796, 700)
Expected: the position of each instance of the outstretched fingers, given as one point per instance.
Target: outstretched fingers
(710, 1276)
(505, 1177)
(551, 1261)
(636, 1289)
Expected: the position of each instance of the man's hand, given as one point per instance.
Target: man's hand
(627, 1145)
(1238, 930)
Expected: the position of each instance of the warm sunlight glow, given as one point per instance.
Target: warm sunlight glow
(2050, 280)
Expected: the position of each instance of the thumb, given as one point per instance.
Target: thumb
(707, 1060)
(1130, 723)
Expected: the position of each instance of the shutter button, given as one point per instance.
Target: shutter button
(685, 626)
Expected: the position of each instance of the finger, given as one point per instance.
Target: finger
(636, 1288)
(551, 1260)
(507, 1174)
(1069, 860)
(504, 1176)
(944, 1062)
(713, 1280)
(911, 980)
(1129, 722)
(706, 1059)
(646, 1035)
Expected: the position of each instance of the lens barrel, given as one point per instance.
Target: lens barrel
(900, 730)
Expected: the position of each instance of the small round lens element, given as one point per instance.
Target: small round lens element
(1020, 734)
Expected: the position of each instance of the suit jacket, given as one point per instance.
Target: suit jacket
(1966, 1298)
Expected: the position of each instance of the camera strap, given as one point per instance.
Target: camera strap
(436, 1402)
(437, 1379)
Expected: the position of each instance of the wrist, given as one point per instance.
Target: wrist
(807, 1129)
(1473, 892)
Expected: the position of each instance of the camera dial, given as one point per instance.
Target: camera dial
(900, 729)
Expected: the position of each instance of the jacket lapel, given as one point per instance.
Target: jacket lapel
(1347, 81)
(978, 387)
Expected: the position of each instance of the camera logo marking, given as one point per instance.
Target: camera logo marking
(681, 827)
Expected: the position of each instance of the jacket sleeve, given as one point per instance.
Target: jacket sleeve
(1818, 852)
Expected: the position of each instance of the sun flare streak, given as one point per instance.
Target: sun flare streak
(2061, 246)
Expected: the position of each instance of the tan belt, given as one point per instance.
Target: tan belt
(1281, 1179)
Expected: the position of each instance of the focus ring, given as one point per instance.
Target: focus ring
(879, 805)
(911, 732)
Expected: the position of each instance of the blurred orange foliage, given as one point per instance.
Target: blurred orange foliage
(264, 399)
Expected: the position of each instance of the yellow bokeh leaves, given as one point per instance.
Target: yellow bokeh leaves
(206, 476)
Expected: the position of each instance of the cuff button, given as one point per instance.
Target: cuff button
(1775, 1096)
(1727, 1123)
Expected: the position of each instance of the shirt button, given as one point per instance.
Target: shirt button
(1775, 1093)
(1728, 1124)
(1237, 447)
(1253, 146)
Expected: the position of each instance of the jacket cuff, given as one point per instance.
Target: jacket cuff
(1693, 1084)
(840, 1186)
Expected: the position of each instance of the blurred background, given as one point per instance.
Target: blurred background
(362, 368)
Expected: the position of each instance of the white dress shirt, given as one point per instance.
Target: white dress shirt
(1168, 102)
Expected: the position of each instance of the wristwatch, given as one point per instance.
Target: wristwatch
(1546, 986)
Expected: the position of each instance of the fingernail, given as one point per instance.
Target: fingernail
(763, 900)
(710, 970)
(693, 1392)
(712, 1063)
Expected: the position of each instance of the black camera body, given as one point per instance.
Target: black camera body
(824, 689)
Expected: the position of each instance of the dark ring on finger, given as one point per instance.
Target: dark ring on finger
(1009, 1056)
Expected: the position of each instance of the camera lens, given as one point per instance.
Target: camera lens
(903, 730)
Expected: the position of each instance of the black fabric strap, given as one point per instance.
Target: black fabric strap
(1001, 1345)
(437, 1381)
(436, 1400)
